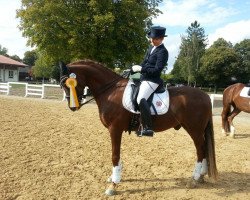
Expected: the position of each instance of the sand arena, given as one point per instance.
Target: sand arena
(49, 152)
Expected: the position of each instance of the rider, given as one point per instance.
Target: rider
(155, 60)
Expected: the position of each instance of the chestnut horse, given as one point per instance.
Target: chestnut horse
(232, 98)
(189, 108)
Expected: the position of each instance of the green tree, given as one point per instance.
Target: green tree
(15, 57)
(219, 65)
(55, 73)
(243, 50)
(43, 66)
(221, 42)
(101, 30)
(191, 50)
(179, 72)
(30, 57)
(3, 50)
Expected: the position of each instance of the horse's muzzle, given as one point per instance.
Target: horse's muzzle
(73, 109)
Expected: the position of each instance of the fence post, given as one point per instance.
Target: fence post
(212, 101)
(42, 96)
(8, 88)
(26, 90)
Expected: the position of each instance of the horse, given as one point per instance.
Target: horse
(189, 108)
(232, 98)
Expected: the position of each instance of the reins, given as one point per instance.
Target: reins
(108, 86)
(103, 89)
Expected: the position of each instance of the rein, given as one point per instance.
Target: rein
(102, 90)
(108, 86)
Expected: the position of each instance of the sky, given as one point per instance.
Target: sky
(228, 19)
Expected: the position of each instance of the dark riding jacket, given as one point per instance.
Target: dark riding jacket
(154, 63)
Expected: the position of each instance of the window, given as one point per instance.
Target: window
(11, 74)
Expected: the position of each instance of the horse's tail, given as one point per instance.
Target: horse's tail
(210, 149)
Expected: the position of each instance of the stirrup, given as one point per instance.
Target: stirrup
(145, 132)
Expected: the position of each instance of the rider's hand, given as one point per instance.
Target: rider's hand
(136, 68)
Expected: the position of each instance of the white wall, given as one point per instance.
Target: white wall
(15, 75)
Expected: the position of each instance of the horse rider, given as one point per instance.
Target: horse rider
(154, 62)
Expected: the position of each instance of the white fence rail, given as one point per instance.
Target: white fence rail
(5, 88)
(30, 89)
(35, 90)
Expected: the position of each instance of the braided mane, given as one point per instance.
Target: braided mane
(92, 63)
(85, 62)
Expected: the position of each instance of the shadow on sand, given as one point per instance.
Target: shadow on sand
(228, 183)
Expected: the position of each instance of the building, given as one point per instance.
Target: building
(9, 69)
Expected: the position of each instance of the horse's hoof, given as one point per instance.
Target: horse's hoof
(191, 184)
(194, 183)
(111, 190)
(224, 132)
(109, 180)
(232, 135)
(201, 179)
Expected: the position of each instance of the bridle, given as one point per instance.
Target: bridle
(103, 89)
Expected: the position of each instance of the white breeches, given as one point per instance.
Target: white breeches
(146, 89)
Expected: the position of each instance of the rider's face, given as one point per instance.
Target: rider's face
(156, 41)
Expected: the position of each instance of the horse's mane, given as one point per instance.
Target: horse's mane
(85, 62)
(91, 63)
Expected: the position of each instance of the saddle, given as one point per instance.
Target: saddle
(135, 90)
(158, 101)
(245, 92)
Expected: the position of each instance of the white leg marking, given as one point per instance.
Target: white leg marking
(116, 173)
(197, 171)
(204, 168)
(232, 131)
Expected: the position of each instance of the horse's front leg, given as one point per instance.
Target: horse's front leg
(115, 178)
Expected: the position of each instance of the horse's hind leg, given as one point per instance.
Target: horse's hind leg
(224, 115)
(235, 112)
(201, 167)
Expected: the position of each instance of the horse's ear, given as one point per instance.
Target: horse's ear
(63, 69)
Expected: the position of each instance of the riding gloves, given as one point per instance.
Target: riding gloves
(136, 68)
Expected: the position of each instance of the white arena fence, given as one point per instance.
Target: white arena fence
(30, 89)
(5, 88)
(214, 97)
(34, 89)
(39, 90)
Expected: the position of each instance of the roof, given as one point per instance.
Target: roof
(8, 61)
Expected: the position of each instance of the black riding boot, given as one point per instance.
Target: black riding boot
(146, 119)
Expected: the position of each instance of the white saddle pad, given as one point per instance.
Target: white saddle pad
(160, 101)
(244, 92)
